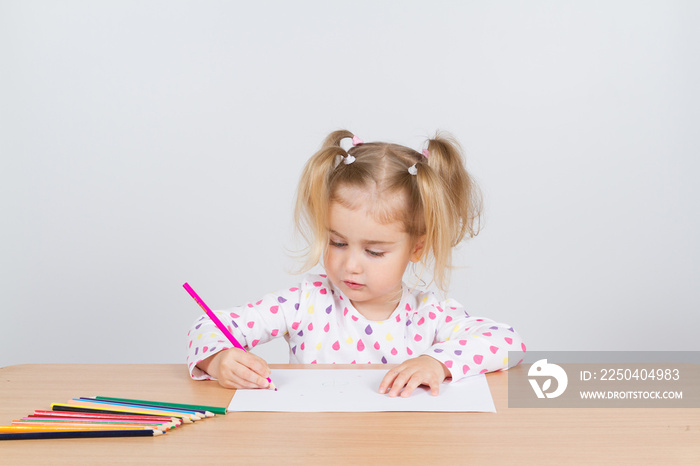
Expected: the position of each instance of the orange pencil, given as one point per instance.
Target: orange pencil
(96, 421)
(80, 425)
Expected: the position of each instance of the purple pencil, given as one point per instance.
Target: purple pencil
(218, 323)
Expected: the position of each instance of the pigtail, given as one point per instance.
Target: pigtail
(445, 157)
(313, 198)
(437, 229)
(451, 203)
(333, 139)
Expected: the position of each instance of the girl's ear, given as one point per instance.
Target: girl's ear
(418, 247)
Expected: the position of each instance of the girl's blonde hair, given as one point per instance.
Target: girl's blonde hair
(441, 202)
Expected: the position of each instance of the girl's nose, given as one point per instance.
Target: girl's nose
(352, 263)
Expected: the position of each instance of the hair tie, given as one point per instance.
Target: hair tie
(356, 142)
(413, 170)
(426, 154)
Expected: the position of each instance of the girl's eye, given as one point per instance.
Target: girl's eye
(337, 244)
(375, 253)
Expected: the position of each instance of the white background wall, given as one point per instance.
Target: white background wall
(145, 144)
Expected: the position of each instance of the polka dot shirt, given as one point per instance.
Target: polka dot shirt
(321, 326)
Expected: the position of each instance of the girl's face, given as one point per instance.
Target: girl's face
(367, 259)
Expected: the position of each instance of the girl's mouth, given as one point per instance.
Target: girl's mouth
(353, 285)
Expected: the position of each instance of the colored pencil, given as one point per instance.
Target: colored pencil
(218, 323)
(128, 416)
(122, 416)
(78, 424)
(199, 412)
(11, 429)
(71, 407)
(80, 434)
(196, 415)
(96, 420)
(212, 409)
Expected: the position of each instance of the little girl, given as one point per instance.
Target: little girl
(366, 213)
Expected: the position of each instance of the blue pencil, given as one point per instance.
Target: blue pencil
(194, 415)
(198, 412)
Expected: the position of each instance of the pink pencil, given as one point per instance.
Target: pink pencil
(218, 323)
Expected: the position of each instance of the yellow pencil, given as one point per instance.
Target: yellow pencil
(146, 409)
(88, 407)
(90, 424)
(98, 421)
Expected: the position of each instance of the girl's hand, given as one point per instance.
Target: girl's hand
(234, 368)
(422, 370)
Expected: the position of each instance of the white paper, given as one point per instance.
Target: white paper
(350, 390)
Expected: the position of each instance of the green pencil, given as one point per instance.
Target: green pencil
(213, 409)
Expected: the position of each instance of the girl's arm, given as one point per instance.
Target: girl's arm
(469, 345)
(463, 345)
(250, 324)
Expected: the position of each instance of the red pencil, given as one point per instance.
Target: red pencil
(218, 323)
(80, 415)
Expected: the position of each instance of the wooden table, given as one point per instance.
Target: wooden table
(511, 436)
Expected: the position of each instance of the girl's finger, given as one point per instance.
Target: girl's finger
(256, 364)
(400, 382)
(411, 385)
(434, 387)
(388, 380)
(250, 376)
(231, 380)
